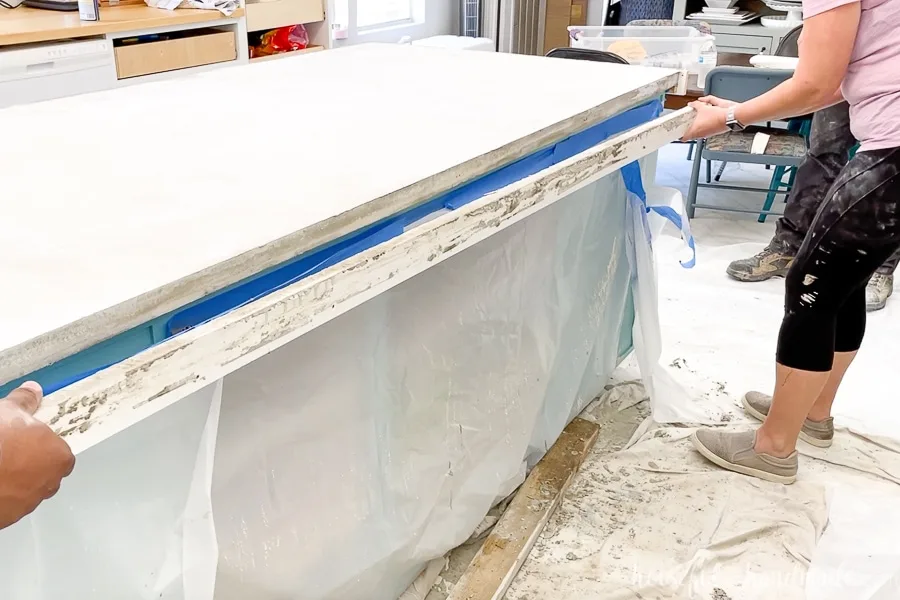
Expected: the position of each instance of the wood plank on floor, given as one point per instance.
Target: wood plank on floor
(504, 551)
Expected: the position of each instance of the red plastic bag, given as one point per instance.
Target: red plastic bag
(283, 39)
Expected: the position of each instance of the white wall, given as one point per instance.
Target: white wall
(435, 17)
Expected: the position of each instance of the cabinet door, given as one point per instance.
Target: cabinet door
(281, 13)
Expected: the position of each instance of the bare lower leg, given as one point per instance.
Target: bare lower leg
(795, 394)
(821, 410)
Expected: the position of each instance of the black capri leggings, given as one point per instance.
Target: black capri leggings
(856, 229)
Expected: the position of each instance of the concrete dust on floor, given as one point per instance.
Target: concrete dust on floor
(649, 519)
(701, 533)
(619, 412)
(656, 521)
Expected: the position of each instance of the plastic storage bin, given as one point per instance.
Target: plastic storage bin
(674, 47)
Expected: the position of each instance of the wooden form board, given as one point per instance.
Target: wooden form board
(25, 25)
(491, 572)
(125, 205)
(100, 406)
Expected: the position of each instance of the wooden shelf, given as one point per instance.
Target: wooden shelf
(286, 54)
(28, 25)
(270, 14)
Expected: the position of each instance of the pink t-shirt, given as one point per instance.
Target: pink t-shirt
(872, 83)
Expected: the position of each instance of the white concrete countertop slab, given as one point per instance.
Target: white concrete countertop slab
(121, 206)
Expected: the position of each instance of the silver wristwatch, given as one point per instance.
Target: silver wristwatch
(731, 121)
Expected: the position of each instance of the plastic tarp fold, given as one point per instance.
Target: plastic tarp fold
(135, 521)
(339, 465)
(382, 438)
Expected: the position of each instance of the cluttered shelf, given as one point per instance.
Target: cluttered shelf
(25, 25)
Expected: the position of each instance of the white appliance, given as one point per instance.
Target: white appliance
(36, 72)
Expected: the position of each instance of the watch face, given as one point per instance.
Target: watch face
(734, 125)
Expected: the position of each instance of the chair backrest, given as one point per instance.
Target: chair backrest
(698, 25)
(790, 43)
(743, 83)
(587, 54)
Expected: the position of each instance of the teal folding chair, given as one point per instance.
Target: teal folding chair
(777, 185)
(786, 149)
(789, 46)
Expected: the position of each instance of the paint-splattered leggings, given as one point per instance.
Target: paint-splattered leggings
(855, 230)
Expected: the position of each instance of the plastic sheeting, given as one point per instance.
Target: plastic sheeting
(660, 521)
(398, 425)
(348, 459)
(718, 355)
(133, 522)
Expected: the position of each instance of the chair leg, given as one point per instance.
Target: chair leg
(695, 179)
(790, 183)
(709, 171)
(774, 185)
(721, 170)
(691, 150)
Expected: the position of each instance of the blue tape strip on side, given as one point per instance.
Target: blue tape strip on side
(242, 294)
(280, 278)
(631, 174)
(563, 150)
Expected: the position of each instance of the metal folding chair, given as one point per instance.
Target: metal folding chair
(587, 54)
(786, 148)
(788, 46)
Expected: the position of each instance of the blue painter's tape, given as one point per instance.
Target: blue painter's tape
(631, 174)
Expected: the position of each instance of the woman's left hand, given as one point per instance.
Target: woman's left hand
(710, 120)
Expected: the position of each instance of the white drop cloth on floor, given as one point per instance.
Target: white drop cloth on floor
(658, 521)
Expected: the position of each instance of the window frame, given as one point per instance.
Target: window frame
(411, 6)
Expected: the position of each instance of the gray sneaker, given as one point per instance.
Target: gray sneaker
(733, 450)
(880, 288)
(820, 435)
(771, 262)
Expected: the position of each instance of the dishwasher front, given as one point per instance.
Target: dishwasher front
(36, 72)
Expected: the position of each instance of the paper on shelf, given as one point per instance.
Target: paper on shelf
(226, 7)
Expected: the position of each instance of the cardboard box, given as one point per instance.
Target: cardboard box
(579, 12)
(561, 14)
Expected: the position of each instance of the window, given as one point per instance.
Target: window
(375, 13)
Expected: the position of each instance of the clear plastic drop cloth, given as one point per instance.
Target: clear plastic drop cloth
(378, 442)
(133, 521)
(339, 465)
(719, 342)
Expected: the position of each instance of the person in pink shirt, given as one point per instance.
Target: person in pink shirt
(849, 49)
